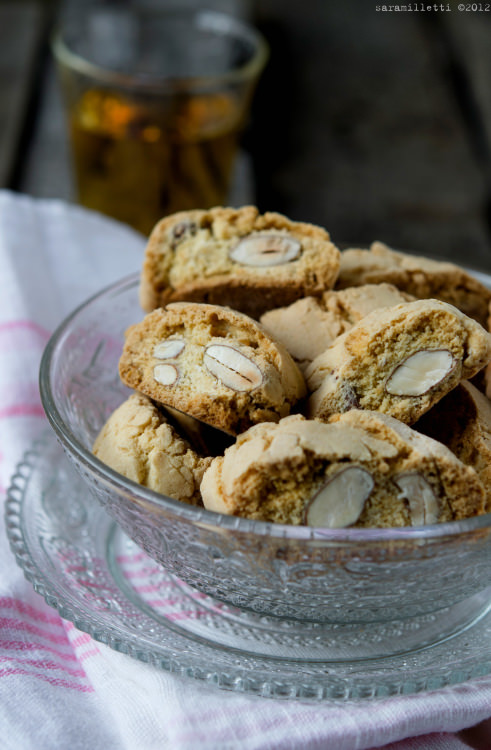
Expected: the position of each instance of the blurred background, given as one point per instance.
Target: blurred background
(373, 124)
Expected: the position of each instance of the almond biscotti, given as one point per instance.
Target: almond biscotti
(422, 277)
(309, 325)
(433, 485)
(462, 422)
(236, 257)
(212, 363)
(138, 441)
(364, 469)
(399, 361)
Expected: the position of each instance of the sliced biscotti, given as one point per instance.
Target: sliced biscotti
(432, 484)
(364, 471)
(212, 363)
(309, 325)
(399, 361)
(422, 277)
(236, 257)
(462, 422)
(139, 442)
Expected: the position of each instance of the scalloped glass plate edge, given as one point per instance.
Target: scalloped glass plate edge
(458, 659)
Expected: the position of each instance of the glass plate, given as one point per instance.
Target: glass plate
(86, 568)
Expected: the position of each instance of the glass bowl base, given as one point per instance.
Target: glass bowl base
(182, 608)
(94, 575)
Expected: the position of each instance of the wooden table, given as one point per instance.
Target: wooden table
(376, 125)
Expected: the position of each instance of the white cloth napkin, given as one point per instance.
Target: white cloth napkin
(58, 687)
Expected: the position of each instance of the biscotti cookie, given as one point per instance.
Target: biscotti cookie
(138, 442)
(309, 325)
(236, 257)
(369, 471)
(400, 361)
(422, 277)
(462, 422)
(213, 363)
(433, 484)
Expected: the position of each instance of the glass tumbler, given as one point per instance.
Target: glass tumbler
(156, 103)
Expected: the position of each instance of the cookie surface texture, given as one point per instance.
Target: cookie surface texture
(367, 471)
(138, 442)
(424, 278)
(309, 325)
(399, 361)
(212, 363)
(236, 257)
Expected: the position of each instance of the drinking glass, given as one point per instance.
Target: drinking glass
(156, 104)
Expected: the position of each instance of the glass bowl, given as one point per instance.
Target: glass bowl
(370, 585)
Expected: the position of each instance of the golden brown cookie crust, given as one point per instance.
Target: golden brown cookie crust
(191, 256)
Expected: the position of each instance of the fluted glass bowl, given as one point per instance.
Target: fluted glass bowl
(341, 578)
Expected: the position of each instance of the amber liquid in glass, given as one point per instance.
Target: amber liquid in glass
(138, 162)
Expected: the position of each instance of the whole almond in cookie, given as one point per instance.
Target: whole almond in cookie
(423, 504)
(363, 469)
(212, 363)
(341, 500)
(265, 249)
(236, 257)
(399, 361)
(420, 372)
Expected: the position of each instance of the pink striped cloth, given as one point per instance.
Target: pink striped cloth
(58, 687)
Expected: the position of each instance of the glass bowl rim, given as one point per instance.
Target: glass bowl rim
(201, 516)
(151, 82)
